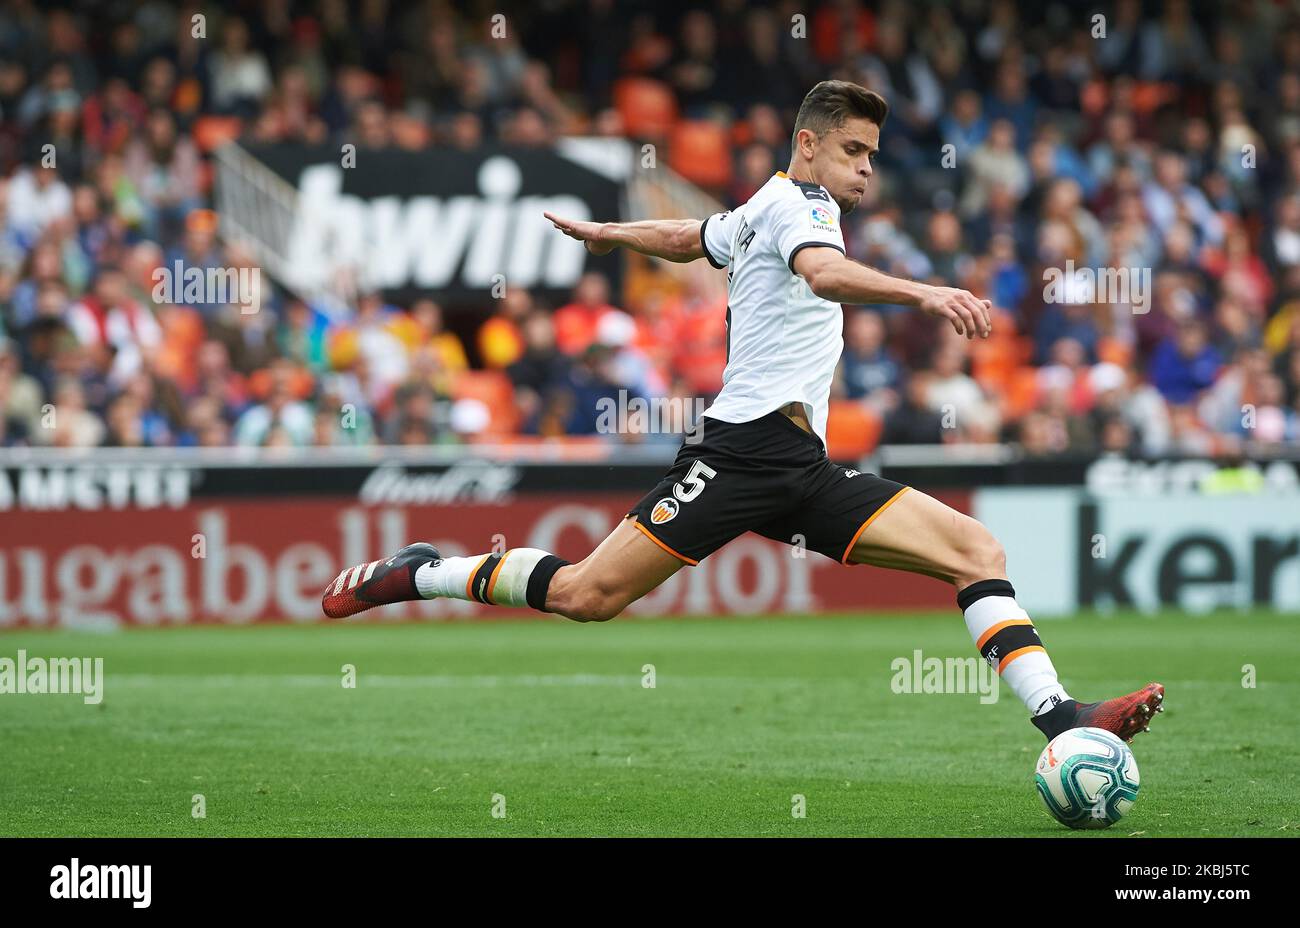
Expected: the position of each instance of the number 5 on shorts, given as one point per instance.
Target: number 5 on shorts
(693, 485)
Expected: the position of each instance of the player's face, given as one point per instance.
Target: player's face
(843, 159)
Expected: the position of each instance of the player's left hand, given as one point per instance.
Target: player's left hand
(969, 315)
(589, 233)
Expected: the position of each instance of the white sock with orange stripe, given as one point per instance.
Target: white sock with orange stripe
(517, 577)
(1007, 639)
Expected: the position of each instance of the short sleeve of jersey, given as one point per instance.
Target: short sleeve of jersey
(715, 235)
(805, 221)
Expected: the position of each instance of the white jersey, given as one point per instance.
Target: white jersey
(783, 341)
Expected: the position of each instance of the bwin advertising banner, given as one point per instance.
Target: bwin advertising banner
(454, 225)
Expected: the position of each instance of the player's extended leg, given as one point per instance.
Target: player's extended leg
(623, 568)
(920, 534)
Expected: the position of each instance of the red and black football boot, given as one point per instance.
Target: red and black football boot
(377, 583)
(1123, 716)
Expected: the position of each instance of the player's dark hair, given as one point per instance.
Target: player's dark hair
(830, 103)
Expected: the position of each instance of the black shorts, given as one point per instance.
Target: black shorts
(767, 476)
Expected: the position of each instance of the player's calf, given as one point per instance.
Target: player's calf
(576, 594)
(977, 554)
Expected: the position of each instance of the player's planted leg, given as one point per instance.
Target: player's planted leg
(920, 534)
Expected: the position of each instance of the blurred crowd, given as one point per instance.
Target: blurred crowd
(1154, 145)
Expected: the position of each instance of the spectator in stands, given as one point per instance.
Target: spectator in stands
(108, 316)
(964, 126)
(696, 71)
(867, 370)
(36, 197)
(1173, 47)
(539, 373)
(1185, 364)
(907, 81)
(164, 168)
(416, 415)
(68, 423)
(1169, 196)
(914, 422)
(20, 396)
(112, 116)
(996, 162)
(575, 322)
(280, 417)
(302, 335)
(239, 75)
(500, 339)
(955, 396)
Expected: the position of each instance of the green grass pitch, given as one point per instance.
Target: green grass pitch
(553, 716)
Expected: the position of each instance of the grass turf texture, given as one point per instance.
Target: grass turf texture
(553, 716)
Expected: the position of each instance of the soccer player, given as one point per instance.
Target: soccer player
(757, 460)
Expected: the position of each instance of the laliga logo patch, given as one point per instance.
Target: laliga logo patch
(665, 511)
(822, 218)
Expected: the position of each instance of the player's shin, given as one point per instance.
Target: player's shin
(1007, 639)
(517, 577)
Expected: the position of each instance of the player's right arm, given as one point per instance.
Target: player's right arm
(839, 279)
(671, 239)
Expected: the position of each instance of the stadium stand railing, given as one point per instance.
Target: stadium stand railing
(258, 208)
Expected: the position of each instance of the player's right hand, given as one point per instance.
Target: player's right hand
(968, 314)
(586, 232)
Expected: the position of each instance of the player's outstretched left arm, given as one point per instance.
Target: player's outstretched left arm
(671, 239)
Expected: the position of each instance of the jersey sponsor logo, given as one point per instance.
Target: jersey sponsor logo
(822, 219)
(665, 510)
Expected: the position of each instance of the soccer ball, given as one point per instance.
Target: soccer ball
(1087, 778)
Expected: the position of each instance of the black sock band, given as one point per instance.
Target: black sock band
(1057, 719)
(540, 580)
(478, 586)
(977, 591)
(1008, 640)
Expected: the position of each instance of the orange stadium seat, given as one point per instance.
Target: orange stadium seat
(1021, 393)
(494, 390)
(700, 151)
(993, 361)
(647, 106)
(852, 430)
(211, 132)
(1115, 351)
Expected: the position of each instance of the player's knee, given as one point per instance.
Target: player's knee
(980, 555)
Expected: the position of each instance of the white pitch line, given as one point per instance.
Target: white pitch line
(368, 679)
(144, 680)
